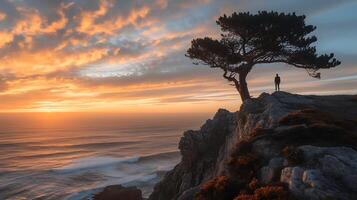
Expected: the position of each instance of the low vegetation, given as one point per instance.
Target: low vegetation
(217, 188)
(269, 192)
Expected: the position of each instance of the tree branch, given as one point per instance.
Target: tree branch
(232, 78)
(279, 61)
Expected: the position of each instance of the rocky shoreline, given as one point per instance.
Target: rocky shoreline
(278, 146)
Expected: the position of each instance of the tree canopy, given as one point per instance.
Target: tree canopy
(266, 37)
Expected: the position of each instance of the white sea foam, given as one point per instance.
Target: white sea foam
(128, 171)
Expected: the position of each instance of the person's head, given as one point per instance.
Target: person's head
(277, 75)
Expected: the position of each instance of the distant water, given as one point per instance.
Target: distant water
(71, 156)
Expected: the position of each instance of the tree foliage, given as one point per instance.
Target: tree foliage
(266, 37)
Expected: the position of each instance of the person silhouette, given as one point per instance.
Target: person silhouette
(277, 82)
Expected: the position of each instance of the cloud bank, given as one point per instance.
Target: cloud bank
(128, 56)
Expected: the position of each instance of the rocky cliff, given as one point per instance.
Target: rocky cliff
(279, 146)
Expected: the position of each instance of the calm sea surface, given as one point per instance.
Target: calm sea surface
(73, 155)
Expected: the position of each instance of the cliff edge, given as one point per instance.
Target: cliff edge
(278, 146)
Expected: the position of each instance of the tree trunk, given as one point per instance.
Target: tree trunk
(243, 87)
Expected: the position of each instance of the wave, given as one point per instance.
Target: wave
(160, 156)
(95, 145)
(106, 161)
(17, 144)
(49, 155)
(141, 181)
(141, 171)
(89, 193)
(94, 162)
(85, 155)
(103, 144)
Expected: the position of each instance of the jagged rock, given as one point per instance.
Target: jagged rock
(272, 171)
(321, 132)
(328, 172)
(189, 194)
(199, 150)
(118, 192)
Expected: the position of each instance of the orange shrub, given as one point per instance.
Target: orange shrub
(217, 188)
(244, 166)
(271, 192)
(266, 193)
(312, 116)
(253, 184)
(217, 184)
(244, 197)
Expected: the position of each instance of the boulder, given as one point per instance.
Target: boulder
(118, 192)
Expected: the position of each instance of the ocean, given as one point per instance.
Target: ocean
(74, 155)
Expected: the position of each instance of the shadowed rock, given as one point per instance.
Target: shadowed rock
(118, 192)
(199, 150)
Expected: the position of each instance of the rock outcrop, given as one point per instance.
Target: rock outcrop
(118, 192)
(279, 146)
(199, 150)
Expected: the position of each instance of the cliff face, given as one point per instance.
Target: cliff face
(279, 146)
(199, 150)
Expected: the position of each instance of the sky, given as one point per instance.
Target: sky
(129, 56)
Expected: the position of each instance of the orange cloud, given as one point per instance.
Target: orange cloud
(87, 18)
(89, 26)
(26, 63)
(31, 24)
(5, 38)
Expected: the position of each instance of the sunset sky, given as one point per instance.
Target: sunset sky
(128, 56)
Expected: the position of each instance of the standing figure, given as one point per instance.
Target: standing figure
(277, 82)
